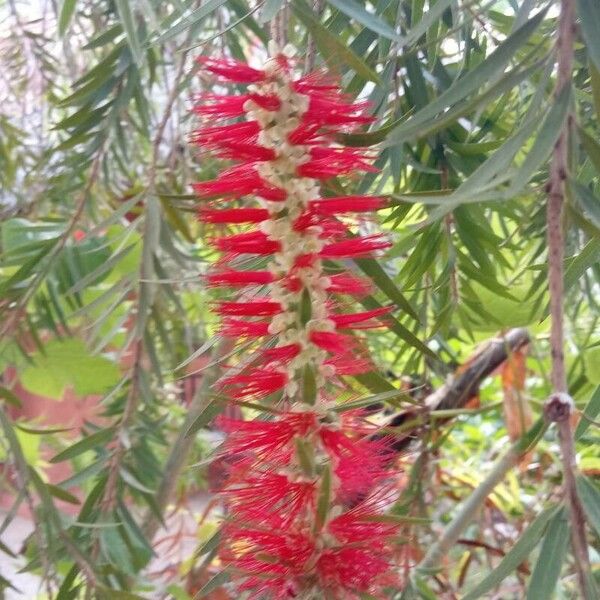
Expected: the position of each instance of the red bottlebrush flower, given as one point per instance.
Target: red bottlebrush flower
(269, 498)
(233, 106)
(348, 571)
(282, 149)
(234, 215)
(334, 111)
(273, 560)
(212, 137)
(281, 354)
(238, 328)
(240, 180)
(254, 308)
(349, 364)
(346, 204)
(360, 523)
(240, 278)
(232, 70)
(344, 283)
(257, 384)
(359, 463)
(353, 320)
(273, 440)
(253, 242)
(355, 247)
(331, 162)
(333, 342)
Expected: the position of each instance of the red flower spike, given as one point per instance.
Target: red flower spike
(258, 384)
(355, 248)
(349, 364)
(333, 342)
(233, 215)
(271, 439)
(240, 180)
(232, 70)
(282, 147)
(238, 328)
(239, 278)
(253, 242)
(281, 354)
(352, 320)
(214, 105)
(344, 283)
(347, 204)
(255, 308)
(270, 498)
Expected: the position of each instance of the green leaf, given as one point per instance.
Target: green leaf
(306, 456)
(98, 439)
(134, 482)
(479, 76)
(129, 26)
(369, 20)
(324, 499)
(582, 262)
(549, 562)
(195, 17)
(378, 275)
(9, 397)
(67, 10)
(544, 141)
(591, 411)
(216, 582)
(269, 10)
(590, 499)
(68, 363)
(61, 494)
(586, 203)
(333, 49)
(110, 594)
(589, 19)
(213, 407)
(518, 553)
(309, 385)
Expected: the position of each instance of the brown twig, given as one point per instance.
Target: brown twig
(311, 48)
(559, 406)
(460, 389)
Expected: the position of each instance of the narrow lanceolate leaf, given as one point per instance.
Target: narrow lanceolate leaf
(586, 202)
(590, 498)
(368, 19)
(128, 21)
(519, 552)
(550, 559)
(474, 79)
(324, 501)
(190, 21)
(544, 141)
(590, 412)
(589, 19)
(9, 397)
(95, 440)
(333, 49)
(269, 9)
(216, 582)
(67, 10)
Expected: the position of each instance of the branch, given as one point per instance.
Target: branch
(468, 510)
(559, 406)
(457, 392)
